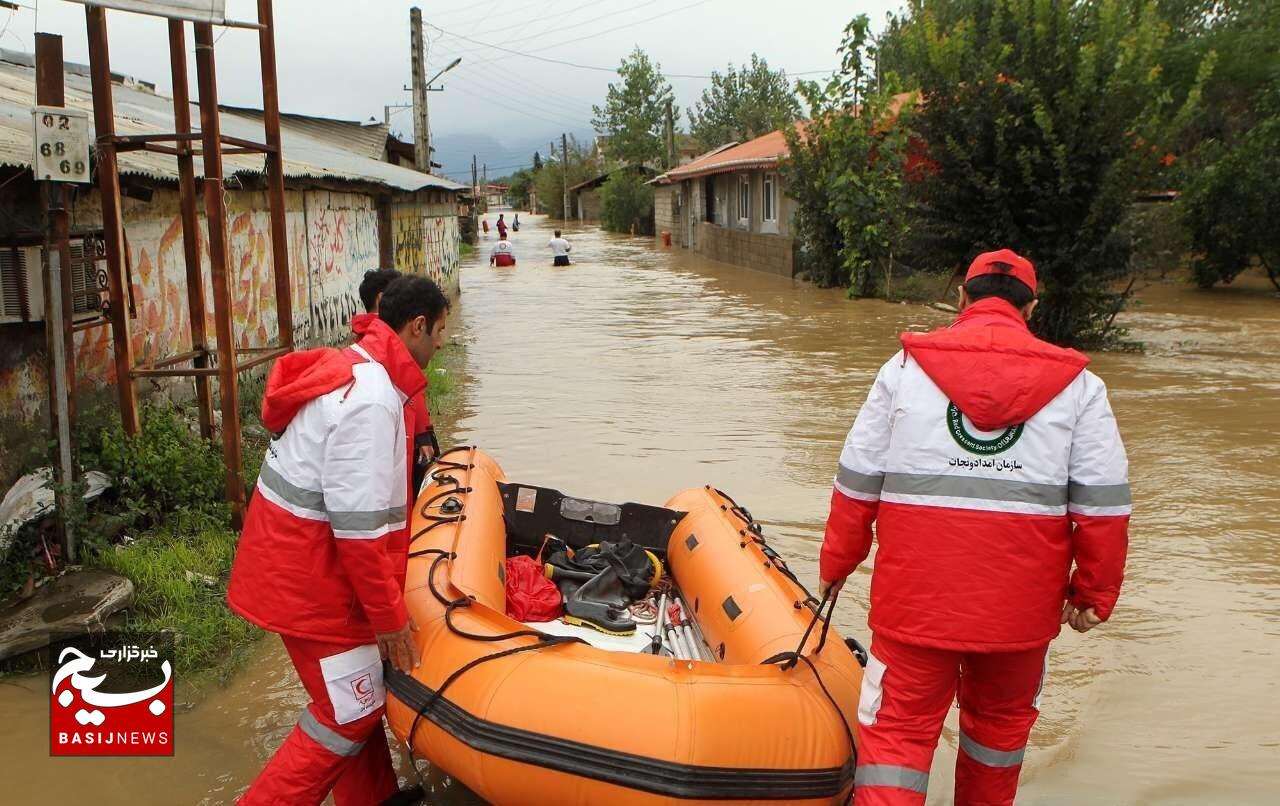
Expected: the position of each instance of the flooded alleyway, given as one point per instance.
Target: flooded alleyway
(640, 371)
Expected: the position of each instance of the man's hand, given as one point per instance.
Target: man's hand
(398, 647)
(832, 587)
(426, 453)
(1080, 620)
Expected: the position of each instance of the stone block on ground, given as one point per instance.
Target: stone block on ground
(76, 602)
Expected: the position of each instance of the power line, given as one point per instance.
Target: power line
(474, 82)
(579, 39)
(511, 108)
(539, 92)
(596, 68)
(548, 30)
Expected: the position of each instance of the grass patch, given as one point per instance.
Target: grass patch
(180, 573)
(466, 249)
(919, 287)
(441, 383)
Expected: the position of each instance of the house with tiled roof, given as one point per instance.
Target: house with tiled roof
(728, 204)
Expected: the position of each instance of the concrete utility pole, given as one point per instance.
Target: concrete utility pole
(418, 63)
(564, 150)
(671, 137)
(57, 296)
(387, 109)
(475, 181)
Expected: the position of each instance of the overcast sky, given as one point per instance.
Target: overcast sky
(347, 59)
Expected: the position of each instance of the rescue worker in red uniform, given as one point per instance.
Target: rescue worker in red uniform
(990, 463)
(321, 560)
(422, 434)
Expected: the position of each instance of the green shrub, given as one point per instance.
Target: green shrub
(1039, 119)
(626, 204)
(165, 469)
(1232, 208)
(847, 174)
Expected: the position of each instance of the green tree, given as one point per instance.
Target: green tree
(626, 203)
(520, 182)
(634, 111)
(742, 104)
(552, 178)
(1232, 207)
(846, 173)
(1039, 118)
(537, 161)
(1229, 134)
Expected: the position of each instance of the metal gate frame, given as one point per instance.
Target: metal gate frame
(196, 363)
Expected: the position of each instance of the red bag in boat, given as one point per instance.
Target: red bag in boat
(530, 595)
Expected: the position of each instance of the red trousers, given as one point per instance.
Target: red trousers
(339, 744)
(906, 693)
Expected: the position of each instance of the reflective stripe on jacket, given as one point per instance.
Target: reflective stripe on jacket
(977, 528)
(323, 548)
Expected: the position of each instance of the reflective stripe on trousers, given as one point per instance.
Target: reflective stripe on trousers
(326, 737)
(891, 775)
(989, 755)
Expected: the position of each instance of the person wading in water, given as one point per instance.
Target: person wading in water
(503, 254)
(560, 249)
(989, 461)
(323, 554)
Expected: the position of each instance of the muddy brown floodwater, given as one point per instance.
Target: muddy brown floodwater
(640, 371)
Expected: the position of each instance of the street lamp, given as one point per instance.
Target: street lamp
(428, 88)
(451, 65)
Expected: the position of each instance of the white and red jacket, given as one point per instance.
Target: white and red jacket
(323, 551)
(417, 417)
(989, 461)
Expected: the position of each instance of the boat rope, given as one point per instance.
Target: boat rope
(755, 533)
(450, 606)
(441, 476)
(789, 660)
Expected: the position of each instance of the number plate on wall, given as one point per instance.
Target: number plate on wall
(61, 144)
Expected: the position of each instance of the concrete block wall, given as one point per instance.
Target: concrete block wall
(758, 251)
(664, 212)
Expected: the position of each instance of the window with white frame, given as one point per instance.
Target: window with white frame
(769, 200)
(744, 199)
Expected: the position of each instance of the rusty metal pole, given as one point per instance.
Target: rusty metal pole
(104, 124)
(57, 297)
(215, 213)
(275, 173)
(190, 222)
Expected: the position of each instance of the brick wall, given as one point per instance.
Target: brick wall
(752, 250)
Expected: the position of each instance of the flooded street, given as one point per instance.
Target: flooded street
(640, 371)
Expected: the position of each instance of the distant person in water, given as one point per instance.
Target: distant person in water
(484, 224)
(560, 249)
(502, 254)
(515, 223)
(502, 226)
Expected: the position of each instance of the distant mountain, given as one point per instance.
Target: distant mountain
(454, 151)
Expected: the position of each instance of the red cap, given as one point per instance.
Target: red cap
(1003, 261)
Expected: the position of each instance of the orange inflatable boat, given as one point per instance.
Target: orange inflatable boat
(541, 714)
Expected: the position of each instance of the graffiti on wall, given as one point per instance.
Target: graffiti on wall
(342, 244)
(426, 242)
(333, 240)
